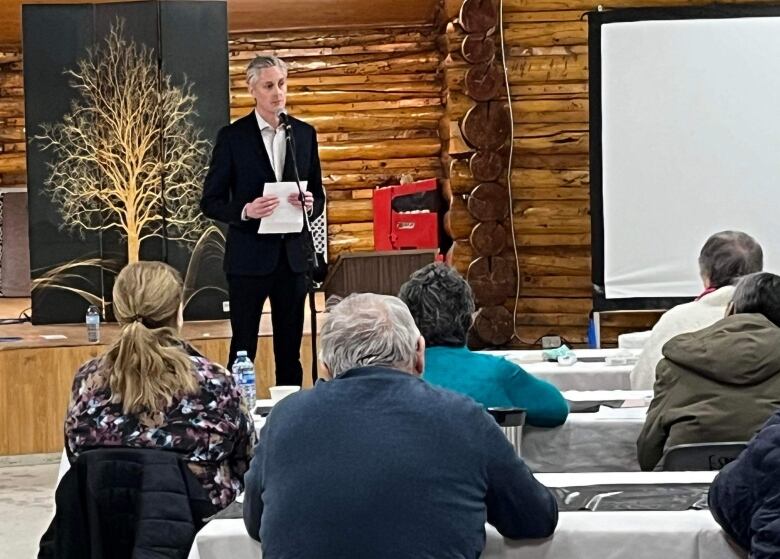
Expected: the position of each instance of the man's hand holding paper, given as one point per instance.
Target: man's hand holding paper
(261, 207)
(294, 199)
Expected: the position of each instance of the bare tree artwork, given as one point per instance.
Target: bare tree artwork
(127, 156)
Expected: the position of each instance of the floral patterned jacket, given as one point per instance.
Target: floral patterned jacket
(212, 429)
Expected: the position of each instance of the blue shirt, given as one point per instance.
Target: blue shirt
(379, 464)
(495, 382)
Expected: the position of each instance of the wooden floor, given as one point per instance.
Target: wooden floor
(37, 364)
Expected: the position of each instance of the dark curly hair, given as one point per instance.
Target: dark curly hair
(441, 303)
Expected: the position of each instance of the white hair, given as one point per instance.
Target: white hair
(261, 62)
(367, 329)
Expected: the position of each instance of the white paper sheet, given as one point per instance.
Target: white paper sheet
(606, 395)
(620, 413)
(286, 217)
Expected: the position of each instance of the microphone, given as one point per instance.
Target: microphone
(284, 120)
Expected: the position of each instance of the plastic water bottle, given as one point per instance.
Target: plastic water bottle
(93, 324)
(244, 373)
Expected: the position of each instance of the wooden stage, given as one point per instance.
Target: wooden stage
(36, 373)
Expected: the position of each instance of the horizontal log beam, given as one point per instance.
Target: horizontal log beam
(382, 165)
(381, 149)
(426, 118)
(375, 135)
(350, 211)
(592, 5)
(568, 161)
(353, 64)
(11, 106)
(13, 162)
(544, 34)
(12, 134)
(316, 38)
(247, 52)
(244, 99)
(354, 181)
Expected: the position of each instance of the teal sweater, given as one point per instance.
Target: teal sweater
(495, 382)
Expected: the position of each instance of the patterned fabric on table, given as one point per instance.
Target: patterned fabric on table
(211, 430)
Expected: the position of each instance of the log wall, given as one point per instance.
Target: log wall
(12, 159)
(374, 96)
(547, 67)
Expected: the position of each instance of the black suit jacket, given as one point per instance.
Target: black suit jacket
(239, 169)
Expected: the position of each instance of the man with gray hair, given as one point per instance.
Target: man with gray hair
(725, 257)
(378, 463)
(248, 154)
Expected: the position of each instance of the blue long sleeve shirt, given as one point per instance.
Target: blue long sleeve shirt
(495, 382)
(380, 464)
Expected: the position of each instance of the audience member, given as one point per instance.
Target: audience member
(442, 305)
(153, 390)
(721, 383)
(377, 463)
(745, 497)
(724, 258)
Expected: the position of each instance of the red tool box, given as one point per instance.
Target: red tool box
(405, 216)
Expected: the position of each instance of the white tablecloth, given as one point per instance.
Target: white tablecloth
(587, 442)
(579, 376)
(580, 535)
(530, 355)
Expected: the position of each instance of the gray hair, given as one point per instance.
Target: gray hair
(264, 61)
(368, 330)
(729, 255)
(441, 303)
(759, 293)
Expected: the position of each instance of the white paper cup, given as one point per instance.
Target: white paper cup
(279, 392)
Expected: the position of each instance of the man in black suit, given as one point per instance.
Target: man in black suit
(248, 154)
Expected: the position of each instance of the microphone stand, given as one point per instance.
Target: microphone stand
(311, 256)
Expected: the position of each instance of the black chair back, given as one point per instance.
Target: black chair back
(700, 456)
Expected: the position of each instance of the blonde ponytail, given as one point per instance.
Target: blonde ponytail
(147, 364)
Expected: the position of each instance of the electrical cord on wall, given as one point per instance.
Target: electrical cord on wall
(515, 335)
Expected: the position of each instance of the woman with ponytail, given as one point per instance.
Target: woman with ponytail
(153, 390)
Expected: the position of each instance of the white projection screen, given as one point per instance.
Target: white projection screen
(685, 142)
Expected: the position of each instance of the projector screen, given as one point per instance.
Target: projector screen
(685, 142)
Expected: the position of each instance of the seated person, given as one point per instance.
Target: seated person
(377, 463)
(745, 497)
(721, 383)
(153, 390)
(442, 305)
(724, 258)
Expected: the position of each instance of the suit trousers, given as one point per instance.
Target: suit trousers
(287, 291)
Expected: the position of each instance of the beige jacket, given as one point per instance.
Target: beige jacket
(688, 317)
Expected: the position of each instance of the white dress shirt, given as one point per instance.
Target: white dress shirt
(274, 140)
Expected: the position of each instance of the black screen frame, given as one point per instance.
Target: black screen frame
(597, 19)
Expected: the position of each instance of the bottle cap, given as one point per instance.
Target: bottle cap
(241, 353)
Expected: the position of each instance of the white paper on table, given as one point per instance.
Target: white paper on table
(286, 217)
(606, 395)
(620, 413)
